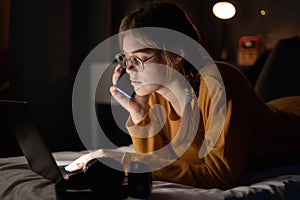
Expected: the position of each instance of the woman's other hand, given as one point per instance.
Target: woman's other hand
(81, 162)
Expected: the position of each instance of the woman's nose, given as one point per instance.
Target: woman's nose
(130, 68)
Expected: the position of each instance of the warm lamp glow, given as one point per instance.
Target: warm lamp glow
(224, 10)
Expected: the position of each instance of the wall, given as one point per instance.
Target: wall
(49, 40)
(40, 70)
(281, 20)
(4, 57)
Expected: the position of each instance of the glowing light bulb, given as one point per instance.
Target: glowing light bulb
(224, 10)
(263, 12)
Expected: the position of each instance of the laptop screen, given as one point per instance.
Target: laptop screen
(39, 157)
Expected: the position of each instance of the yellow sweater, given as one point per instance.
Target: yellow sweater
(255, 135)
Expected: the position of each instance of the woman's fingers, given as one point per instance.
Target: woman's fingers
(137, 106)
(79, 163)
(75, 165)
(120, 96)
(117, 74)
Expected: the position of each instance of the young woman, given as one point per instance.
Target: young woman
(251, 135)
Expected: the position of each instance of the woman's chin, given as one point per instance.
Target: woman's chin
(146, 89)
(141, 92)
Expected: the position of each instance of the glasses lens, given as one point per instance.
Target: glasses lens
(137, 63)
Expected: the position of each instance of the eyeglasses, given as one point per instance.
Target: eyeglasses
(137, 62)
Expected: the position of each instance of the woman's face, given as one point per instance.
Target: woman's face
(154, 75)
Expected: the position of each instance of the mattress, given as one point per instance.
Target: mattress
(17, 181)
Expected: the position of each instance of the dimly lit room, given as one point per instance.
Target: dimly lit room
(60, 63)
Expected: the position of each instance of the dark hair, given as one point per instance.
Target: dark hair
(161, 14)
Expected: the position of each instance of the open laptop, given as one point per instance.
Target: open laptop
(35, 150)
(85, 183)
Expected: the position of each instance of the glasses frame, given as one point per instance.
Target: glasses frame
(125, 64)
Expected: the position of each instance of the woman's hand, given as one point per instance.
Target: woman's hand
(137, 105)
(81, 162)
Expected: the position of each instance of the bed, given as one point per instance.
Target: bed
(17, 181)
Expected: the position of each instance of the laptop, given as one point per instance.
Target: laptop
(86, 183)
(35, 150)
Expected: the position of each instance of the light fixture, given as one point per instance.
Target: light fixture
(263, 12)
(224, 10)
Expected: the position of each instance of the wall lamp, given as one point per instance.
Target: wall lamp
(224, 10)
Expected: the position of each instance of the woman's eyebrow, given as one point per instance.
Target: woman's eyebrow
(137, 51)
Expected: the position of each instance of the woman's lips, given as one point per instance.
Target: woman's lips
(134, 81)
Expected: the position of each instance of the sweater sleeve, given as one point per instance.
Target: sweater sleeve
(150, 133)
